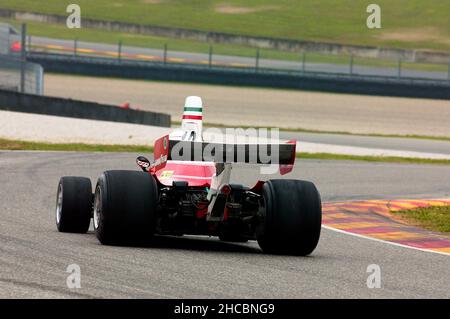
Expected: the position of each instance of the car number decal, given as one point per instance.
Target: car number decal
(166, 174)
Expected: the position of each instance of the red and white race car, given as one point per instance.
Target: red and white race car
(186, 189)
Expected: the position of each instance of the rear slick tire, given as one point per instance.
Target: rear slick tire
(290, 217)
(125, 205)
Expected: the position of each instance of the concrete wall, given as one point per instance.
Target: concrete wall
(219, 37)
(238, 77)
(29, 103)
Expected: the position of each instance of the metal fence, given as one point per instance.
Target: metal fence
(12, 78)
(16, 73)
(261, 59)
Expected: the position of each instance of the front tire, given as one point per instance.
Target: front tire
(74, 204)
(290, 217)
(125, 206)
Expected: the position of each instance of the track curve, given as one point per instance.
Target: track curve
(34, 256)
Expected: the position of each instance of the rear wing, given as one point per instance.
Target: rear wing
(265, 154)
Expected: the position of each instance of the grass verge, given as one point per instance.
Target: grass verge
(436, 218)
(405, 23)
(15, 145)
(382, 159)
(7, 144)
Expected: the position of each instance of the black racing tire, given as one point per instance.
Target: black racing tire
(125, 207)
(74, 204)
(290, 217)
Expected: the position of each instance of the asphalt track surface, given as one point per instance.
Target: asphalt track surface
(34, 256)
(187, 57)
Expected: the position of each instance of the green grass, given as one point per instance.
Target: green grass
(7, 144)
(342, 21)
(380, 159)
(15, 145)
(436, 218)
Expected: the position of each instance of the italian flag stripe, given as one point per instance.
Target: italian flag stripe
(192, 113)
(193, 109)
(192, 117)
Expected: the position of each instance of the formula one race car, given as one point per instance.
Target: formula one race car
(186, 190)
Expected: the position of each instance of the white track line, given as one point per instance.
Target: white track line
(384, 241)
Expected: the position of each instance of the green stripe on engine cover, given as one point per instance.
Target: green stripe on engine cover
(193, 109)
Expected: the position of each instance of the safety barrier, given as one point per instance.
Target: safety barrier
(183, 72)
(30, 103)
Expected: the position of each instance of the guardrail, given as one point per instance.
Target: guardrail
(316, 81)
